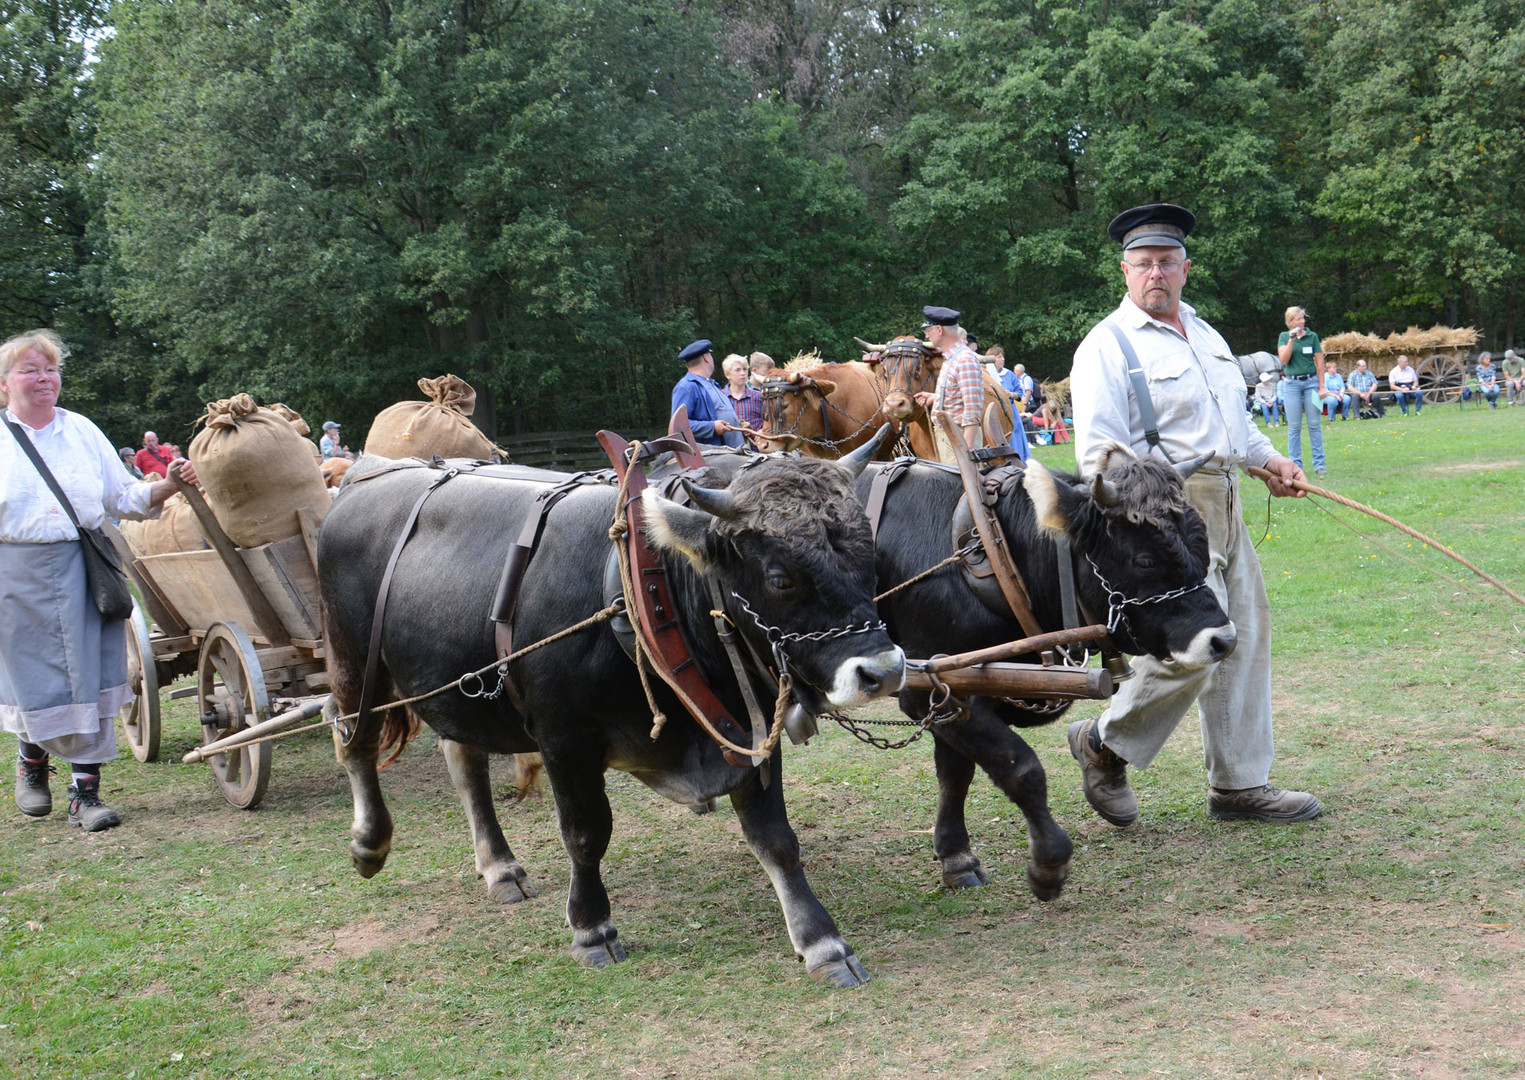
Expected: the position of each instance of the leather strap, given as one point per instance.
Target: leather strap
(30, 450)
(1140, 390)
(373, 651)
(880, 487)
(727, 634)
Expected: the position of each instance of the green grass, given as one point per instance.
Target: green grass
(1382, 940)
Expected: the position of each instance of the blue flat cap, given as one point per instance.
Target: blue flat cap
(696, 349)
(1153, 225)
(939, 316)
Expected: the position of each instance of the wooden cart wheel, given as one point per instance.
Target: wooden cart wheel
(140, 716)
(230, 696)
(1441, 378)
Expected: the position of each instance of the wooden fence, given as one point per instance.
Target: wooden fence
(563, 451)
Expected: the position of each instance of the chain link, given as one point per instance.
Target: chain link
(1118, 601)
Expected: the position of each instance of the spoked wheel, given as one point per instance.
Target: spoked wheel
(140, 716)
(230, 696)
(1441, 378)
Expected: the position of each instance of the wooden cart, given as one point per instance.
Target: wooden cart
(245, 621)
(1439, 356)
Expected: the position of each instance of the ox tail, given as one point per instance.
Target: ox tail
(529, 773)
(398, 729)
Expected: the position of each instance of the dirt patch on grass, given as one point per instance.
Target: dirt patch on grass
(1472, 466)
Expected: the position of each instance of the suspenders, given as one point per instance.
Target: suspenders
(1140, 391)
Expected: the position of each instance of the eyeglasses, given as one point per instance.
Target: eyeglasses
(1166, 266)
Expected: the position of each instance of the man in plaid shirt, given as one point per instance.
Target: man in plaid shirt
(960, 384)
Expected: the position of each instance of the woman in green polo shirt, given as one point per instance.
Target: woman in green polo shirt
(1302, 362)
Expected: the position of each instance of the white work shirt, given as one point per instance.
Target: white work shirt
(1195, 384)
(86, 466)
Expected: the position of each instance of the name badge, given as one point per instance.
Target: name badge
(1307, 348)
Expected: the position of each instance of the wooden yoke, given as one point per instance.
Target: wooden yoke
(651, 608)
(1013, 588)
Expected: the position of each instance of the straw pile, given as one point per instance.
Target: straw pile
(803, 361)
(1413, 341)
(1057, 391)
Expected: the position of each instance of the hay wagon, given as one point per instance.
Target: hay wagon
(245, 622)
(1439, 356)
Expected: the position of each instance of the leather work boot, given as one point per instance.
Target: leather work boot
(33, 798)
(1264, 803)
(1103, 775)
(86, 809)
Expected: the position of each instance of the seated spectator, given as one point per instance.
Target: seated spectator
(1514, 376)
(1404, 381)
(1332, 396)
(1049, 418)
(1363, 391)
(1268, 397)
(153, 458)
(1488, 379)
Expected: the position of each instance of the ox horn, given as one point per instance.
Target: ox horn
(792, 376)
(858, 460)
(717, 502)
(867, 347)
(1186, 468)
(1104, 491)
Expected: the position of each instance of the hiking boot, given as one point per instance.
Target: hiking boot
(1103, 775)
(86, 809)
(33, 797)
(1264, 803)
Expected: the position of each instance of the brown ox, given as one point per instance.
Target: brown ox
(824, 410)
(909, 367)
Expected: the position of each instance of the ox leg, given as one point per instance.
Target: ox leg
(950, 836)
(582, 812)
(765, 823)
(1011, 764)
(507, 883)
(371, 830)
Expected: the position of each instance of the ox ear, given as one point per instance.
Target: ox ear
(825, 387)
(677, 530)
(1048, 496)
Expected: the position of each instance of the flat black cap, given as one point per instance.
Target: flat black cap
(939, 316)
(1154, 225)
(696, 349)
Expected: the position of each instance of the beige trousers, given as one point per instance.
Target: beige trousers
(945, 448)
(1234, 697)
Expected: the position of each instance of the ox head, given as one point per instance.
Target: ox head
(791, 549)
(1141, 547)
(791, 406)
(907, 366)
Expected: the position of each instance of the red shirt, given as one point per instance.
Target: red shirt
(153, 461)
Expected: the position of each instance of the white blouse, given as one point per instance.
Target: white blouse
(86, 466)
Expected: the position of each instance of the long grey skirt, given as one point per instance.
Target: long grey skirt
(63, 672)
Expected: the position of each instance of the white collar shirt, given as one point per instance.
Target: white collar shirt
(86, 466)
(1195, 384)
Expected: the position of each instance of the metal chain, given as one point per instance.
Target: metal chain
(1118, 601)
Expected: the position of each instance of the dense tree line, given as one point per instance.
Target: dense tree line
(320, 201)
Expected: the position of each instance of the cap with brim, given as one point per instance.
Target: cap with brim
(1153, 225)
(939, 316)
(329, 425)
(696, 349)
(1265, 376)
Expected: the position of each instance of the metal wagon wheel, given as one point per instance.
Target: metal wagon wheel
(231, 696)
(1441, 377)
(140, 716)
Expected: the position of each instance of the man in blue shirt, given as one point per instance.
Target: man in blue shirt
(710, 414)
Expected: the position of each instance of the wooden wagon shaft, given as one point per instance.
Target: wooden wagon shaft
(270, 624)
(1018, 680)
(1014, 648)
(248, 735)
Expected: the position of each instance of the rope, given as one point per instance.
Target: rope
(1302, 485)
(951, 559)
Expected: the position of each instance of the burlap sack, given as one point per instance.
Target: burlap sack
(437, 426)
(256, 471)
(294, 418)
(175, 529)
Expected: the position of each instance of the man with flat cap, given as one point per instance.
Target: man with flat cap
(1193, 388)
(960, 384)
(711, 415)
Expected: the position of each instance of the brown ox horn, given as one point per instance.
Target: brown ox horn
(792, 376)
(858, 460)
(715, 501)
(1186, 468)
(1104, 491)
(866, 347)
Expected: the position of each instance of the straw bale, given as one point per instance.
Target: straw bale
(1414, 341)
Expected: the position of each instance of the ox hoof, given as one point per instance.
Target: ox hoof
(966, 873)
(703, 807)
(368, 861)
(844, 974)
(598, 947)
(1047, 882)
(511, 890)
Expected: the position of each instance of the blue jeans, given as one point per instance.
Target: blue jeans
(1301, 396)
(1405, 398)
(1270, 410)
(1339, 405)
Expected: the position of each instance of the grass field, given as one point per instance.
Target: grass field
(1382, 940)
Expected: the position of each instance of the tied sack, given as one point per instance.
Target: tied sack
(256, 471)
(294, 418)
(175, 529)
(437, 426)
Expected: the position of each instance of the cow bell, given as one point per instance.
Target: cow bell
(1117, 665)
(800, 724)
